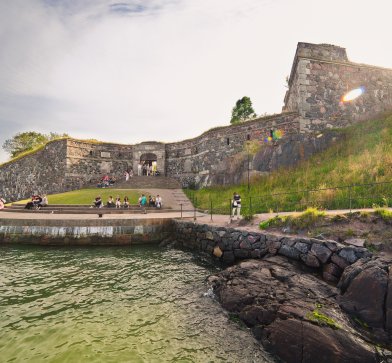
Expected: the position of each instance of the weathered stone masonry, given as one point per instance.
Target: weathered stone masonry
(320, 76)
(330, 257)
(45, 170)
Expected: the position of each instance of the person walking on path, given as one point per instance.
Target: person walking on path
(236, 205)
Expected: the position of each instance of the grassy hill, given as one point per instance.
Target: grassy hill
(364, 156)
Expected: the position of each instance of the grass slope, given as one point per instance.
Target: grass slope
(365, 156)
(86, 196)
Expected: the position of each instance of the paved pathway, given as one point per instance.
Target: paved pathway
(217, 219)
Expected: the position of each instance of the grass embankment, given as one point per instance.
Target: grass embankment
(363, 155)
(373, 227)
(86, 196)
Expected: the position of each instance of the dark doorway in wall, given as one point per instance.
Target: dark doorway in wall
(148, 158)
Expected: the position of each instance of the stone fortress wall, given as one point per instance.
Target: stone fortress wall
(320, 76)
(202, 160)
(85, 161)
(45, 168)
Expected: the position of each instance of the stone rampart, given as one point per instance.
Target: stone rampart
(230, 245)
(202, 160)
(321, 75)
(87, 161)
(41, 172)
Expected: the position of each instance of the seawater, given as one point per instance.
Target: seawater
(139, 304)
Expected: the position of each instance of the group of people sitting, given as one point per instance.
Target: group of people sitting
(37, 202)
(106, 181)
(151, 201)
(111, 203)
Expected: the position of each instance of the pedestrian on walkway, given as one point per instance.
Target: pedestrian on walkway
(236, 205)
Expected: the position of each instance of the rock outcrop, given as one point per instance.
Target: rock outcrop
(301, 318)
(306, 300)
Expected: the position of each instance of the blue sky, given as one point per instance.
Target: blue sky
(130, 71)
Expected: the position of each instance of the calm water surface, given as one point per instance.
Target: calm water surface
(141, 304)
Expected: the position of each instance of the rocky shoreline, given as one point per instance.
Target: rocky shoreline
(305, 300)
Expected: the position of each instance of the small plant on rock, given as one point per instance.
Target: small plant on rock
(276, 221)
(307, 219)
(321, 319)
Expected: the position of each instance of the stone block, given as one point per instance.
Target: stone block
(217, 252)
(348, 253)
(252, 239)
(239, 253)
(255, 254)
(289, 252)
(339, 261)
(321, 252)
(302, 247)
(245, 245)
(228, 257)
(273, 247)
(209, 235)
(288, 241)
(332, 269)
(311, 260)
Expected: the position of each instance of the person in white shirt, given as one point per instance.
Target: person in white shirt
(158, 201)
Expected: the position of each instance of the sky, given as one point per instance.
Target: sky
(129, 71)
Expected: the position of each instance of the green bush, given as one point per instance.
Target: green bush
(385, 214)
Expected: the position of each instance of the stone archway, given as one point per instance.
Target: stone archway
(150, 151)
(148, 158)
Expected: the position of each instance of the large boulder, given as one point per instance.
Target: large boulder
(300, 341)
(365, 296)
(388, 304)
(294, 314)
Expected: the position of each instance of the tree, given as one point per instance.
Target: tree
(24, 141)
(242, 110)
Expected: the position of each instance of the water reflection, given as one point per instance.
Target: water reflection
(139, 304)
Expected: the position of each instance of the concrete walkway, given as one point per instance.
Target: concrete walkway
(217, 219)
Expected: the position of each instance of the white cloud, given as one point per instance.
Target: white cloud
(130, 71)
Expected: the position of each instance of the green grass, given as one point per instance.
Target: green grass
(305, 220)
(86, 196)
(363, 155)
(385, 214)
